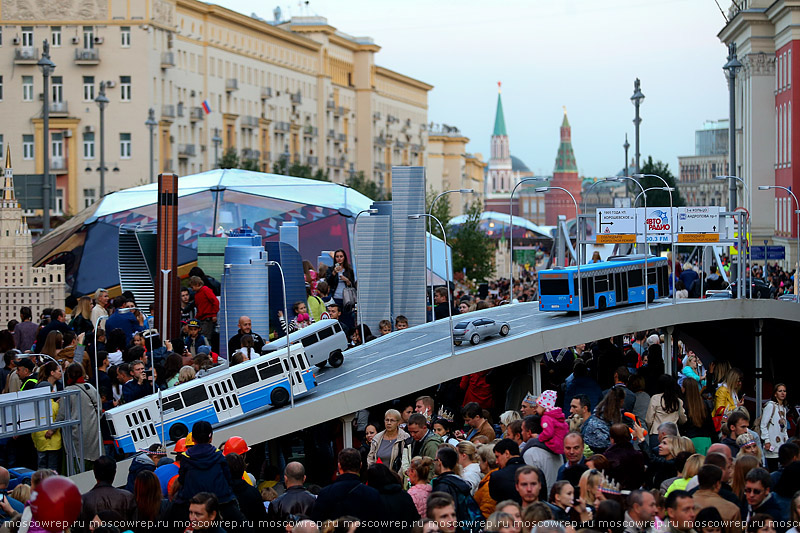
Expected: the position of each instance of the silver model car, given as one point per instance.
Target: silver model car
(478, 329)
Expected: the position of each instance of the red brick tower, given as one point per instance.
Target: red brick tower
(565, 175)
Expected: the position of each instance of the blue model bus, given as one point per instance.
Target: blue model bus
(618, 281)
(227, 393)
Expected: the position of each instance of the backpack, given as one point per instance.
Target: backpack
(468, 512)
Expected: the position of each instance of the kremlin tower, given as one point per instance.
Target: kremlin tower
(565, 175)
(500, 175)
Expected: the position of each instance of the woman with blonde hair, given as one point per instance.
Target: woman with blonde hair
(589, 486)
(748, 446)
(690, 469)
(187, 373)
(727, 395)
(468, 460)
(488, 464)
(741, 466)
(82, 316)
(418, 472)
(388, 444)
(505, 419)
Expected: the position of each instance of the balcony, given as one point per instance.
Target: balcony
(380, 141)
(87, 56)
(249, 153)
(167, 60)
(376, 115)
(179, 110)
(331, 134)
(339, 110)
(282, 126)
(400, 144)
(416, 147)
(231, 84)
(26, 56)
(186, 150)
(297, 98)
(196, 114)
(168, 111)
(58, 164)
(249, 121)
(266, 93)
(310, 131)
(58, 108)
(380, 166)
(311, 160)
(331, 104)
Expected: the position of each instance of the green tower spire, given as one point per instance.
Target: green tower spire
(565, 160)
(499, 120)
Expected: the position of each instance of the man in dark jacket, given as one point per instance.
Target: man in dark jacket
(245, 328)
(145, 461)
(621, 376)
(627, 463)
(140, 384)
(447, 481)
(759, 499)
(296, 500)
(347, 495)
(501, 484)
(581, 383)
(58, 322)
(250, 502)
(104, 496)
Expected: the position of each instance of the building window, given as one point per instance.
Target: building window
(88, 37)
(57, 144)
(88, 88)
(88, 145)
(59, 210)
(1, 36)
(1, 144)
(58, 89)
(27, 88)
(55, 36)
(125, 88)
(1, 88)
(125, 36)
(27, 36)
(27, 147)
(125, 145)
(89, 197)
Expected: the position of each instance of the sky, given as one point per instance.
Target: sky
(580, 54)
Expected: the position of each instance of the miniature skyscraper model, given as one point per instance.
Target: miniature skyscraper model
(408, 244)
(375, 266)
(245, 287)
(22, 285)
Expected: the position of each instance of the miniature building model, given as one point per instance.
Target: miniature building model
(22, 285)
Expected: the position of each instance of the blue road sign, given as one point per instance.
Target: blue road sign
(770, 253)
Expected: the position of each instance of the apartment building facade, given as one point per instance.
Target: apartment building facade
(450, 167)
(216, 79)
(696, 172)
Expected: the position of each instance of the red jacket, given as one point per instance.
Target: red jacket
(206, 303)
(477, 389)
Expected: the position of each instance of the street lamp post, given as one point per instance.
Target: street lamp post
(447, 277)
(286, 321)
(46, 65)
(102, 102)
(732, 66)
(625, 147)
(669, 189)
(747, 228)
(637, 99)
(511, 233)
(797, 218)
(151, 124)
(429, 241)
(217, 140)
(578, 262)
(646, 244)
(359, 303)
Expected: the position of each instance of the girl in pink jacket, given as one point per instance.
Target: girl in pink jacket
(554, 426)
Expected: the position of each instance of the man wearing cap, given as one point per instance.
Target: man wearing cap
(245, 328)
(25, 369)
(145, 461)
(194, 340)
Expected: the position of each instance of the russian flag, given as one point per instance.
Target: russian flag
(206, 107)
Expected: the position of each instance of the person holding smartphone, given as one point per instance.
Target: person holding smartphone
(140, 384)
(339, 277)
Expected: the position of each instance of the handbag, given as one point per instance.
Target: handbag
(349, 298)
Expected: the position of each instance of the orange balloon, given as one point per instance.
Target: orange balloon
(56, 503)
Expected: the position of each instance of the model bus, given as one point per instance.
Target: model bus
(618, 281)
(323, 341)
(227, 393)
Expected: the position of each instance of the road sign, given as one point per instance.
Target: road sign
(616, 225)
(659, 223)
(698, 237)
(698, 220)
(769, 253)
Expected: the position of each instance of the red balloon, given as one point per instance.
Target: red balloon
(56, 503)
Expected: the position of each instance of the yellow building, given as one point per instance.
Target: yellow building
(451, 167)
(299, 89)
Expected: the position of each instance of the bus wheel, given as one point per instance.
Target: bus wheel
(178, 431)
(601, 303)
(322, 365)
(279, 397)
(651, 295)
(336, 359)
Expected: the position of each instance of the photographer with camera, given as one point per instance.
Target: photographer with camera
(140, 384)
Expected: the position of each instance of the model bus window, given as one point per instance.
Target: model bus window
(337, 328)
(172, 403)
(269, 369)
(601, 284)
(554, 286)
(635, 278)
(195, 395)
(325, 333)
(310, 340)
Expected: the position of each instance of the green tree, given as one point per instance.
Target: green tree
(659, 198)
(367, 187)
(297, 170)
(229, 159)
(441, 211)
(473, 250)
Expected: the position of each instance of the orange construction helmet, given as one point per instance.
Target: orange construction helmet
(235, 445)
(180, 446)
(189, 440)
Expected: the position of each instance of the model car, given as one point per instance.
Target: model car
(477, 329)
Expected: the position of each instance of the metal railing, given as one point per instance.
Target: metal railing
(26, 54)
(312, 160)
(196, 114)
(58, 107)
(249, 121)
(332, 134)
(87, 54)
(186, 150)
(232, 84)
(167, 59)
(341, 137)
(249, 153)
(266, 92)
(58, 163)
(168, 110)
(282, 126)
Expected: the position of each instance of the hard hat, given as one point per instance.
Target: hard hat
(180, 446)
(189, 440)
(235, 445)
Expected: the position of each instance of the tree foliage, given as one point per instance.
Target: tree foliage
(441, 211)
(283, 167)
(230, 159)
(659, 198)
(359, 182)
(473, 250)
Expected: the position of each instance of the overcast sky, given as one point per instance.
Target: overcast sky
(582, 54)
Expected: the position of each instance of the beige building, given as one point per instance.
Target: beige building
(696, 172)
(299, 89)
(23, 285)
(451, 167)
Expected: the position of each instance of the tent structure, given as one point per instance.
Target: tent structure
(496, 226)
(210, 204)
